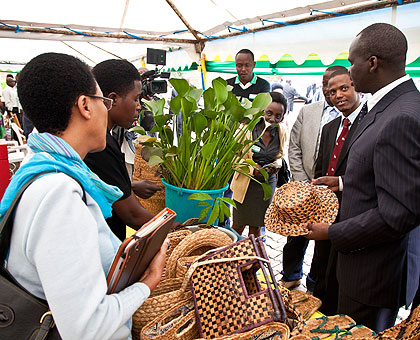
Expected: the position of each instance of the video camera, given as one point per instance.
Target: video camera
(151, 86)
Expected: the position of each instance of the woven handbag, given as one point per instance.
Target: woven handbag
(227, 294)
(178, 323)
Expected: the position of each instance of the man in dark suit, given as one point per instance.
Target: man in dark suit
(377, 238)
(332, 160)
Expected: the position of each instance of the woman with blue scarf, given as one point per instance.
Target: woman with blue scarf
(61, 247)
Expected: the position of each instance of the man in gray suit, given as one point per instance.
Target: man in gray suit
(303, 151)
(289, 92)
(377, 238)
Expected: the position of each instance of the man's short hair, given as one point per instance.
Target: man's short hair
(9, 75)
(384, 41)
(336, 68)
(49, 86)
(340, 71)
(246, 51)
(277, 97)
(116, 75)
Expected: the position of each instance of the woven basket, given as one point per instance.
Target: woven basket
(295, 318)
(305, 303)
(142, 171)
(175, 238)
(196, 244)
(168, 293)
(178, 323)
(182, 265)
(270, 331)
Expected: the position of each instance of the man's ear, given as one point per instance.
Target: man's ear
(114, 97)
(373, 63)
(83, 104)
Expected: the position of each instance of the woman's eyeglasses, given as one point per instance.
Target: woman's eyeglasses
(107, 101)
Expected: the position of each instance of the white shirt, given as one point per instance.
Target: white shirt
(378, 95)
(351, 117)
(10, 97)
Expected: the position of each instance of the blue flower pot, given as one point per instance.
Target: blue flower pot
(176, 198)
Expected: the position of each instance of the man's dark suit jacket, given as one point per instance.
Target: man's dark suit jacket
(377, 238)
(325, 260)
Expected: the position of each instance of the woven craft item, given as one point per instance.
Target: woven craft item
(270, 331)
(168, 293)
(305, 303)
(175, 238)
(142, 171)
(227, 293)
(358, 332)
(178, 323)
(196, 244)
(183, 264)
(300, 337)
(409, 329)
(297, 203)
(326, 326)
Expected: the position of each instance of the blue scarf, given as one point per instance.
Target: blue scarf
(53, 153)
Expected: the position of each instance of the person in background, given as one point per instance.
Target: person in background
(61, 247)
(248, 194)
(246, 84)
(377, 237)
(10, 95)
(332, 160)
(303, 151)
(119, 80)
(290, 93)
(310, 92)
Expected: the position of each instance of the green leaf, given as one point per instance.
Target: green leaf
(186, 107)
(267, 191)
(208, 149)
(211, 114)
(209, 96)
(203, 204)
(195, 93)
(220, 89)
(146, 139)
(246, 103)
(200, 196)
(228, 201)
(224, 209)
(155, 160)
(264, 173)
(162, 120)
(175, 105)
(156, 106)
(168, 135)
(138, 129)
(181, 86)
(251, 112)
(204, 213)
(250, 162)
(261, 101)
(214, 214)
(221, 211)
(237, 112)
(200, 123)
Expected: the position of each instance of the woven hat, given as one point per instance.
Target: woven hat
(297, 203)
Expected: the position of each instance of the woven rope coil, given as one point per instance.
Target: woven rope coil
(196, 244)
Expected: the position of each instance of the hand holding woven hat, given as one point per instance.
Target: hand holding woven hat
(297, 203)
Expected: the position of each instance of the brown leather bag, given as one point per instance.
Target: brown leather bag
(22, 315)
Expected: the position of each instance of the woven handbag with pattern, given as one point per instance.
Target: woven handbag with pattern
(227, 294)
(178, 323)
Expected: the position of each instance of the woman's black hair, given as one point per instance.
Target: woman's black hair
(277, 97)
(49, 86)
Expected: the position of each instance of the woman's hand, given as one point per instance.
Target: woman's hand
(153, 273)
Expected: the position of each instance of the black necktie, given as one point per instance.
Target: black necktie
(363, 112)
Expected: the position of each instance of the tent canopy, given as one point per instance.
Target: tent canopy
(97, 30)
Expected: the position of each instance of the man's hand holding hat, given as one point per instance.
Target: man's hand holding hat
(317, 231)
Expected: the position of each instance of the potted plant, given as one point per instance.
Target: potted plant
(210, 147)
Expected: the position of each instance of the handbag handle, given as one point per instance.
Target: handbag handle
(6, 224)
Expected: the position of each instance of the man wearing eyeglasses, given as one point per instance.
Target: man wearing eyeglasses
(120, 83)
